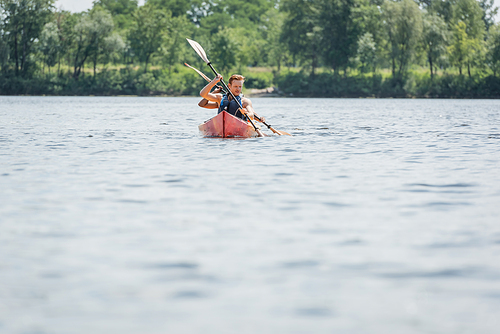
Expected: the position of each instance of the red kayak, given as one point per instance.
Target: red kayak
(225, 125)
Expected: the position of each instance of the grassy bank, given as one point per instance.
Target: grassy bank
(413, 85)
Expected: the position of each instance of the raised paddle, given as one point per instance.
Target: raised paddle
(199, 50)
(281, 133)
(202, 75)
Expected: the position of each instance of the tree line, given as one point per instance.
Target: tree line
(349, 47)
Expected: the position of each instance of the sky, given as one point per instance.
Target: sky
(81, 5)
(76, 6)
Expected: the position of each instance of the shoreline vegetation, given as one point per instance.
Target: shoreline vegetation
(287, 48)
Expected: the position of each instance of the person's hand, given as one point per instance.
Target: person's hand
(247, 113)
(261, 118)
(217, 78)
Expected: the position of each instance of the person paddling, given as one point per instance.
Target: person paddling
(225, 102)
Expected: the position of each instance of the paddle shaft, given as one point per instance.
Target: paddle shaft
(202, 75)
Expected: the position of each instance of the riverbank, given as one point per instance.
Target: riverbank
(184, 82)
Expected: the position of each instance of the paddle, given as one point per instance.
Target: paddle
(199, 50)
(281, 133)
(203, 75)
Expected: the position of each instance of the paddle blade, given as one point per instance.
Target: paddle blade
(198, 71)
(199, 50)
(283, 133)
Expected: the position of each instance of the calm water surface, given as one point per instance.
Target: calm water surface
(377, 216)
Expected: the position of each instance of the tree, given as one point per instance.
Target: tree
(468, 31)
(50, 44)
(301, 31)
(469, 12)
(217, 14)
(176, 7)
(4, 46)
(89, 34)
(275, 49)
(464, 50)
(458, 47)
(224, 49)
(493, 53)
(66, 22)
(442, 8)
(366, 51)
(148, 31)
(403, 23)
(23, 23)
(434, 38)
(120, 10)
(489, 12)
(174, 43)
(339, 32)
(4, 53)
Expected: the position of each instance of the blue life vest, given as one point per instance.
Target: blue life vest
(231, 106)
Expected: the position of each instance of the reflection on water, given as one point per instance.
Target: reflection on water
(377, 216)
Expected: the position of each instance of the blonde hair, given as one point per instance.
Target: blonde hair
(236, 77)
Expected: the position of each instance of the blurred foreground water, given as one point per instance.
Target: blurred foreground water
(377, 216)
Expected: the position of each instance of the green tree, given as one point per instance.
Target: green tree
(435, 38)
(174, 45)
(50, 44)
(111, 48)
(366, 51)
(368, 17)
(272, 25)
(458, 48)
(339, 32)
(66, 22)
(121, 11)
(403, 21)
(301, 31)
(470, 14)
(443, 9)
(464, 50)
(176, 7)
(23, 23)
(148, 32)
(4, 46)
(224, 49)
(88, 35)
(217, 14)
(4, 54)
(489, 12)
(493, 53)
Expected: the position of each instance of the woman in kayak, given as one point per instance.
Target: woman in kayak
(226, 102)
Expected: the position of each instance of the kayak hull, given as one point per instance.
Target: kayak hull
(225, 125)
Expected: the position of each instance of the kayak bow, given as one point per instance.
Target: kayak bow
(225, 125)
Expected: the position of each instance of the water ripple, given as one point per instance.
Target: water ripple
(442, 273)
(452, 185)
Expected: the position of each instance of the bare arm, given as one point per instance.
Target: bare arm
(208, 104)
(248, 109)
(205, 92)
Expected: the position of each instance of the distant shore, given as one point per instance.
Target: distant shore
(259, 82)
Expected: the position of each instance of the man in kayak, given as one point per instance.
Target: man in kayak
(225, 102)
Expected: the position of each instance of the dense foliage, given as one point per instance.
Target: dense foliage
(445, 48)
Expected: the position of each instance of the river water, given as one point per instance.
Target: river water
(376, 216)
